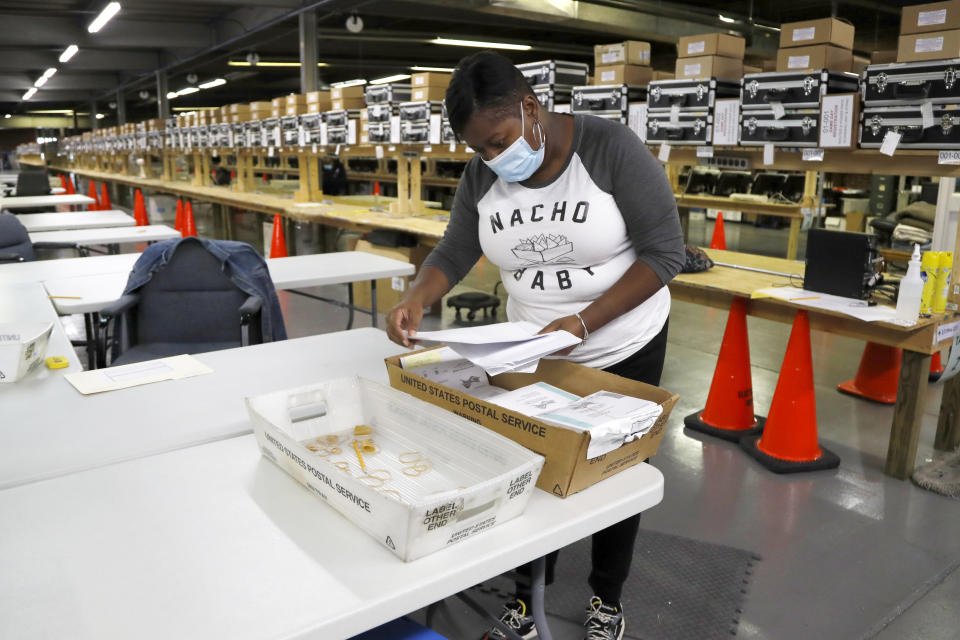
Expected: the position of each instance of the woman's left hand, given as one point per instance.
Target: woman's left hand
(566, 323)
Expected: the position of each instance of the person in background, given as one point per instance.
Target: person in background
(580, 218)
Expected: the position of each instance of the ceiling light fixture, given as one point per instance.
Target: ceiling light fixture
(49, 72)
(349, 83)
(105, 16)
(268, 63)
(724, 18)
(68, 53)
(29, 94)
(395, 78)
(99, 116)
(42, 80)
(171, 95)
(8, 116)
(187, 91)
(456, 42)
(437, 69)
(218, 82)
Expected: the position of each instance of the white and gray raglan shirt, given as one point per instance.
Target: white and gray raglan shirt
(561, 244)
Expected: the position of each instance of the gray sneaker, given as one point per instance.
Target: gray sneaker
(604, 620)
(515, 617)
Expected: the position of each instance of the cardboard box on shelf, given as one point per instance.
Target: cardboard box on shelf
(709, 67)
(418, 94)
(295, 99)
(567, 469)
(278, 103)
(316, 107)
(276, 112)
(623, 74)
(932, 45)
(628, 52)
(237, 108)
(769, 65)
(751, 69)
(663, 75)
(711, 44)
(315, 97)
(430, 79)
(389, 290)
(261, 107)
(934, 16)
(341, 93)
(823, 31)
(339, 104)
(821, 56)
(839, 119)
(295, 109)
(883, 57)
(860, 64)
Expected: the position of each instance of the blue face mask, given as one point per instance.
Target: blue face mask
(519, 161)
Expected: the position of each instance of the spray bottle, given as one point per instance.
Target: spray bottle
(911, 288)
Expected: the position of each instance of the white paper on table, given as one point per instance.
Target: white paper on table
(535, 398)
(138, 373)
(501, 357)
(486, 392)
(847, 306)
(482, 334)
(612, 419)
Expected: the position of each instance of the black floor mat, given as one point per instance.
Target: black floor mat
(678, 589)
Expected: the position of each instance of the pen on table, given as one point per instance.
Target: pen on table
(810, 298)
(359, 457)
(66, 297)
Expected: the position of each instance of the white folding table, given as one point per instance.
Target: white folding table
(35, 222)
(112, 237)
(216, 542)
(41, 270)
(50, 429)
(26, 202)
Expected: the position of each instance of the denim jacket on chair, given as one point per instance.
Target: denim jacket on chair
(247, 269)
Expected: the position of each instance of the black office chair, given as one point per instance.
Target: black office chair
(188, 306)
(33, 183)
(15, 245)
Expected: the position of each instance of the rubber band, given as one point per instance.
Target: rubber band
(362, 430)
(416, 470)
(409, 460)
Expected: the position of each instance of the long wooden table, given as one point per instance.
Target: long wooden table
(720, 285)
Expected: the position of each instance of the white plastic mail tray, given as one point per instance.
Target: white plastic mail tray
(429, 478)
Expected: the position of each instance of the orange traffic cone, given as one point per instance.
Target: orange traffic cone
(140, 210)
(936, 367)
(71, 190)
(105, 197)
(63, 183)
(178, 221)
(877, 376)
(376, 188)
(719, 240)
(92, 192)
(189, 226)
(233, 175)
(265, 177)
(728, 413)
(278, 244)
(789, 440)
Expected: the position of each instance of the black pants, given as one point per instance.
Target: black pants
(612, 550)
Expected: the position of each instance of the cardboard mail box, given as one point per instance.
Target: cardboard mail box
(821, 56)
(934, 16)
(630, 74)
(421, 94)
(711, 44)
(810, 32)
(934, 45)
(342, 104)
(628, 52)
(354, 91)
(317, 97)
(431, 79)
(702, 67)
(567, 469)
(295, 99)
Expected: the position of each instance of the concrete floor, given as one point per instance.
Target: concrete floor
(847, 554)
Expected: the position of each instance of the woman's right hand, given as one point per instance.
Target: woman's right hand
(403, 322)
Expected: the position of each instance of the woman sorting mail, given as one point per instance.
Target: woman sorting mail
(580, 219)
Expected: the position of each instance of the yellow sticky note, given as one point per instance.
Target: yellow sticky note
(423, 359)
(57, 362)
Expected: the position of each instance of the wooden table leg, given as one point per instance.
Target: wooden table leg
(793, 243)
(907, 415)
(684, 222)
(948, 425)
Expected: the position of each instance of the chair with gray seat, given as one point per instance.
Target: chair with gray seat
(15, 245)
(189, 306)
(33, 183)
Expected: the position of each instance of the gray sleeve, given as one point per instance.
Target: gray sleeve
(459, 249)
(642, 192)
